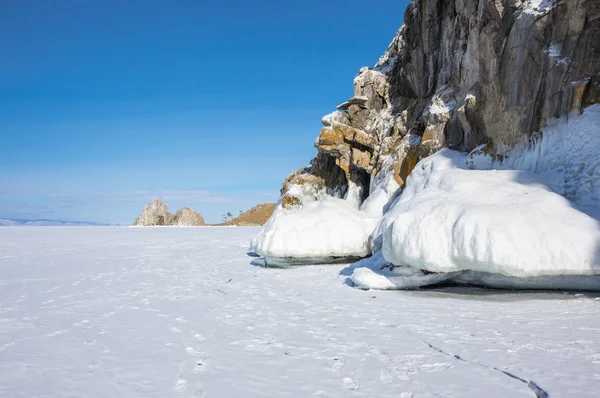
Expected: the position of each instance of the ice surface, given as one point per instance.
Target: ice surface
(178, 312)
(376, 272)
(498, 221)
(321, 229)
(561, 282)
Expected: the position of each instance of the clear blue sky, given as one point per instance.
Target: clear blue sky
(105, 104)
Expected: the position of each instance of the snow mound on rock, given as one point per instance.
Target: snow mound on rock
(497, 221)
(322, 229)
(500, 219)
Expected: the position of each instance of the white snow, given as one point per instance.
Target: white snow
(383, 189)
(179, 312)
(554, 50)
(538, 6)
(507, 222)
(320, 229)
(569, 148)
(438, 107)
(353, 195)
(377, 273)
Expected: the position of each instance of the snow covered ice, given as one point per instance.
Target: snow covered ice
(179, 312)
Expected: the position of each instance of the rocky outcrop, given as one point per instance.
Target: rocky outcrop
(458, 74)
(157, 213)
(188, 217)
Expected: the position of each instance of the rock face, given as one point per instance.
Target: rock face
(157, 213)
(187, 217)
(458, 74)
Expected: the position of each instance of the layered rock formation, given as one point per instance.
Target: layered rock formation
(157, 213)
(458, 74)
(481, 76)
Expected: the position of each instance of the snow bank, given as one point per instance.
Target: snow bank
(506, 222)
(322, 229)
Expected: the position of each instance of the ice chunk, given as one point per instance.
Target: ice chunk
(560, 282)
(377, 273)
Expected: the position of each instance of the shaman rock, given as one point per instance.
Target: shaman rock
(155, 213)
(188, 217)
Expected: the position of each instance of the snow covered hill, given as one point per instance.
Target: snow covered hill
(180, 312)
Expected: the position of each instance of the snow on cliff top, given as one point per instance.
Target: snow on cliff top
(538, 6)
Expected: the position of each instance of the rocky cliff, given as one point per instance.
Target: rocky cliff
(464, 86)
(458, 74)
(157, 213)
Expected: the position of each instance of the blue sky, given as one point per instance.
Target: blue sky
(106, 104)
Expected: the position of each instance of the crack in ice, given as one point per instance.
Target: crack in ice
(537, 390)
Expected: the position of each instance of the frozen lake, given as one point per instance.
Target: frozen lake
(180, 312)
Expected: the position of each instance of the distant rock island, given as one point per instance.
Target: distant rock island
(157, 213)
